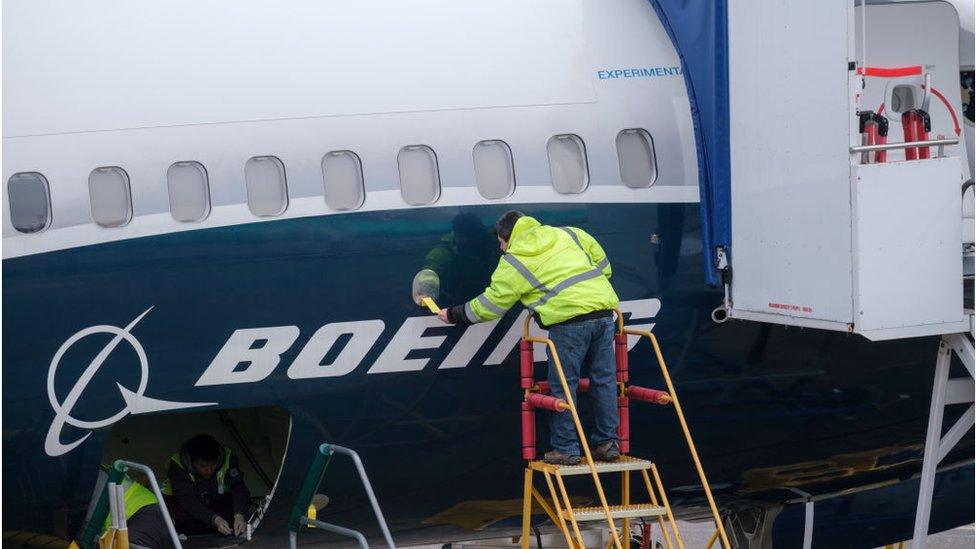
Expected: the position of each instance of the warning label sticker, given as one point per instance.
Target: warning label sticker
(791, 308)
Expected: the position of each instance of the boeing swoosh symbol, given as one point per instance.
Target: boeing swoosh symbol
(136, 402)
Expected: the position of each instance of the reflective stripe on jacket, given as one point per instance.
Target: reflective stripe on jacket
(177, 460)
(137, 496)
(558, 273)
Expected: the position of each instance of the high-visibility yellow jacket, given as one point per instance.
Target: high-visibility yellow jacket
(136, 496)
(558, 273)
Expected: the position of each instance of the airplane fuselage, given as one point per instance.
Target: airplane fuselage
(307, 309)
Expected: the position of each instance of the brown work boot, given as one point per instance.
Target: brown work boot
(608, 451)
(555, 457)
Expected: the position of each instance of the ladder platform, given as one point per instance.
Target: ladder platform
(623, 463)
(616, 511)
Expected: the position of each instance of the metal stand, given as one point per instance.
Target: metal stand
(562, 513)
(315, 473)
(117, 536)
(122, 466)
(355, 534)
(111, 503)
(945, 392)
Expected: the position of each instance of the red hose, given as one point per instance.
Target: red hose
(881, 156)
(535, 400)
(528, 431)
(871, 130)
(922, 125)
(620, 354)
(543, 387)
(527, 364)
(644, 394)
(910, 130)
(623, 426)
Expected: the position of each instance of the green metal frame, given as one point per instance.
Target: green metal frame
(89, 538)
(312, 480)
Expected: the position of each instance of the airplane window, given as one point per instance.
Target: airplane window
(493, 169)
(635, 156)
(342, 173)
(567, 164)
(189, 191)
(267, 190)
(30, 202)
(111, 198)
(420, 182)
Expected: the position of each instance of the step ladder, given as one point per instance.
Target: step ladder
(536, 395)
(300, 512)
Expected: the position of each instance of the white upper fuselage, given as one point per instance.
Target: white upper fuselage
(141, 86)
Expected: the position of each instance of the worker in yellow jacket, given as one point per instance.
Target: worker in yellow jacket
(143, 515)
(562, 275)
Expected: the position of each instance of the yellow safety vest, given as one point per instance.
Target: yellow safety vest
(558, 273)
(221, 473)
(137, 496)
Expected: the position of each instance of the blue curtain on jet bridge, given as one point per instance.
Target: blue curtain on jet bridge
(698, 31)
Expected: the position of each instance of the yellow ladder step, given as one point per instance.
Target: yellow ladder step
(624, 463)
(616, 511)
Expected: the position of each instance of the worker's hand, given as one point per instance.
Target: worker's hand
(239, 525)
(221, 525)
(442, 314)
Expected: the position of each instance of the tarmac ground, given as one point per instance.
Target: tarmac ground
(697, 534)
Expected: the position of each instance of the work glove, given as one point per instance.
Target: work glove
(221, 525)
(239, 525)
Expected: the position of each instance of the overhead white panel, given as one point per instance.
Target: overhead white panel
(789, 110)
(108, 64)
(908, 269)
(818, 239)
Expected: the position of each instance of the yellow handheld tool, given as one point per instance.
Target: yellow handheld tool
(429, 303)
(426, 287)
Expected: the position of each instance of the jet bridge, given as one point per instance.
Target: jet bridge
(833, 225)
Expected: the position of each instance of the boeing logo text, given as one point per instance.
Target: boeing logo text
(252, 354)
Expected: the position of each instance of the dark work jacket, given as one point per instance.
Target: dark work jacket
(197, 496)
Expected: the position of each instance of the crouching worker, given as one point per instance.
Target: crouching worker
(205, 490)
(143, 517)
(562, 275)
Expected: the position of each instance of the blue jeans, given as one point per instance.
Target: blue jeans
(590, 343)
